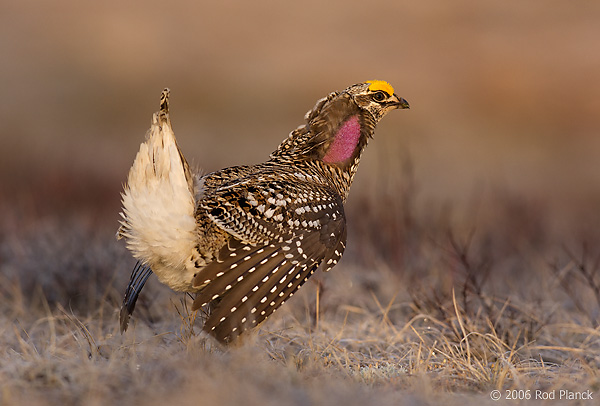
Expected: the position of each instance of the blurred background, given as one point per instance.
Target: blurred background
(504, 95)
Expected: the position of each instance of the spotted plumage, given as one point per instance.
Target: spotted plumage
(245, 238)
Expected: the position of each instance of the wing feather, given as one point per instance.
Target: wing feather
(231, 273)
(237, 311)
(280, 233)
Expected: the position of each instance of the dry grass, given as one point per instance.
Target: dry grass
(429, 305)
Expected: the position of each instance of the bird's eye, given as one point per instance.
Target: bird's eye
(379, 96)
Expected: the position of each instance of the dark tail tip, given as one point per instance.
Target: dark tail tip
(139, 276)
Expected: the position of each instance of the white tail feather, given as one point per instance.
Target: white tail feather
(158, 205)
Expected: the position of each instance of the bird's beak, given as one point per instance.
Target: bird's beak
(399, 103)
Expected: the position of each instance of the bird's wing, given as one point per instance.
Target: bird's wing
(281, 233)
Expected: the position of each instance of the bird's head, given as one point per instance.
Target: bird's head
(339, 126)
(377, 97)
